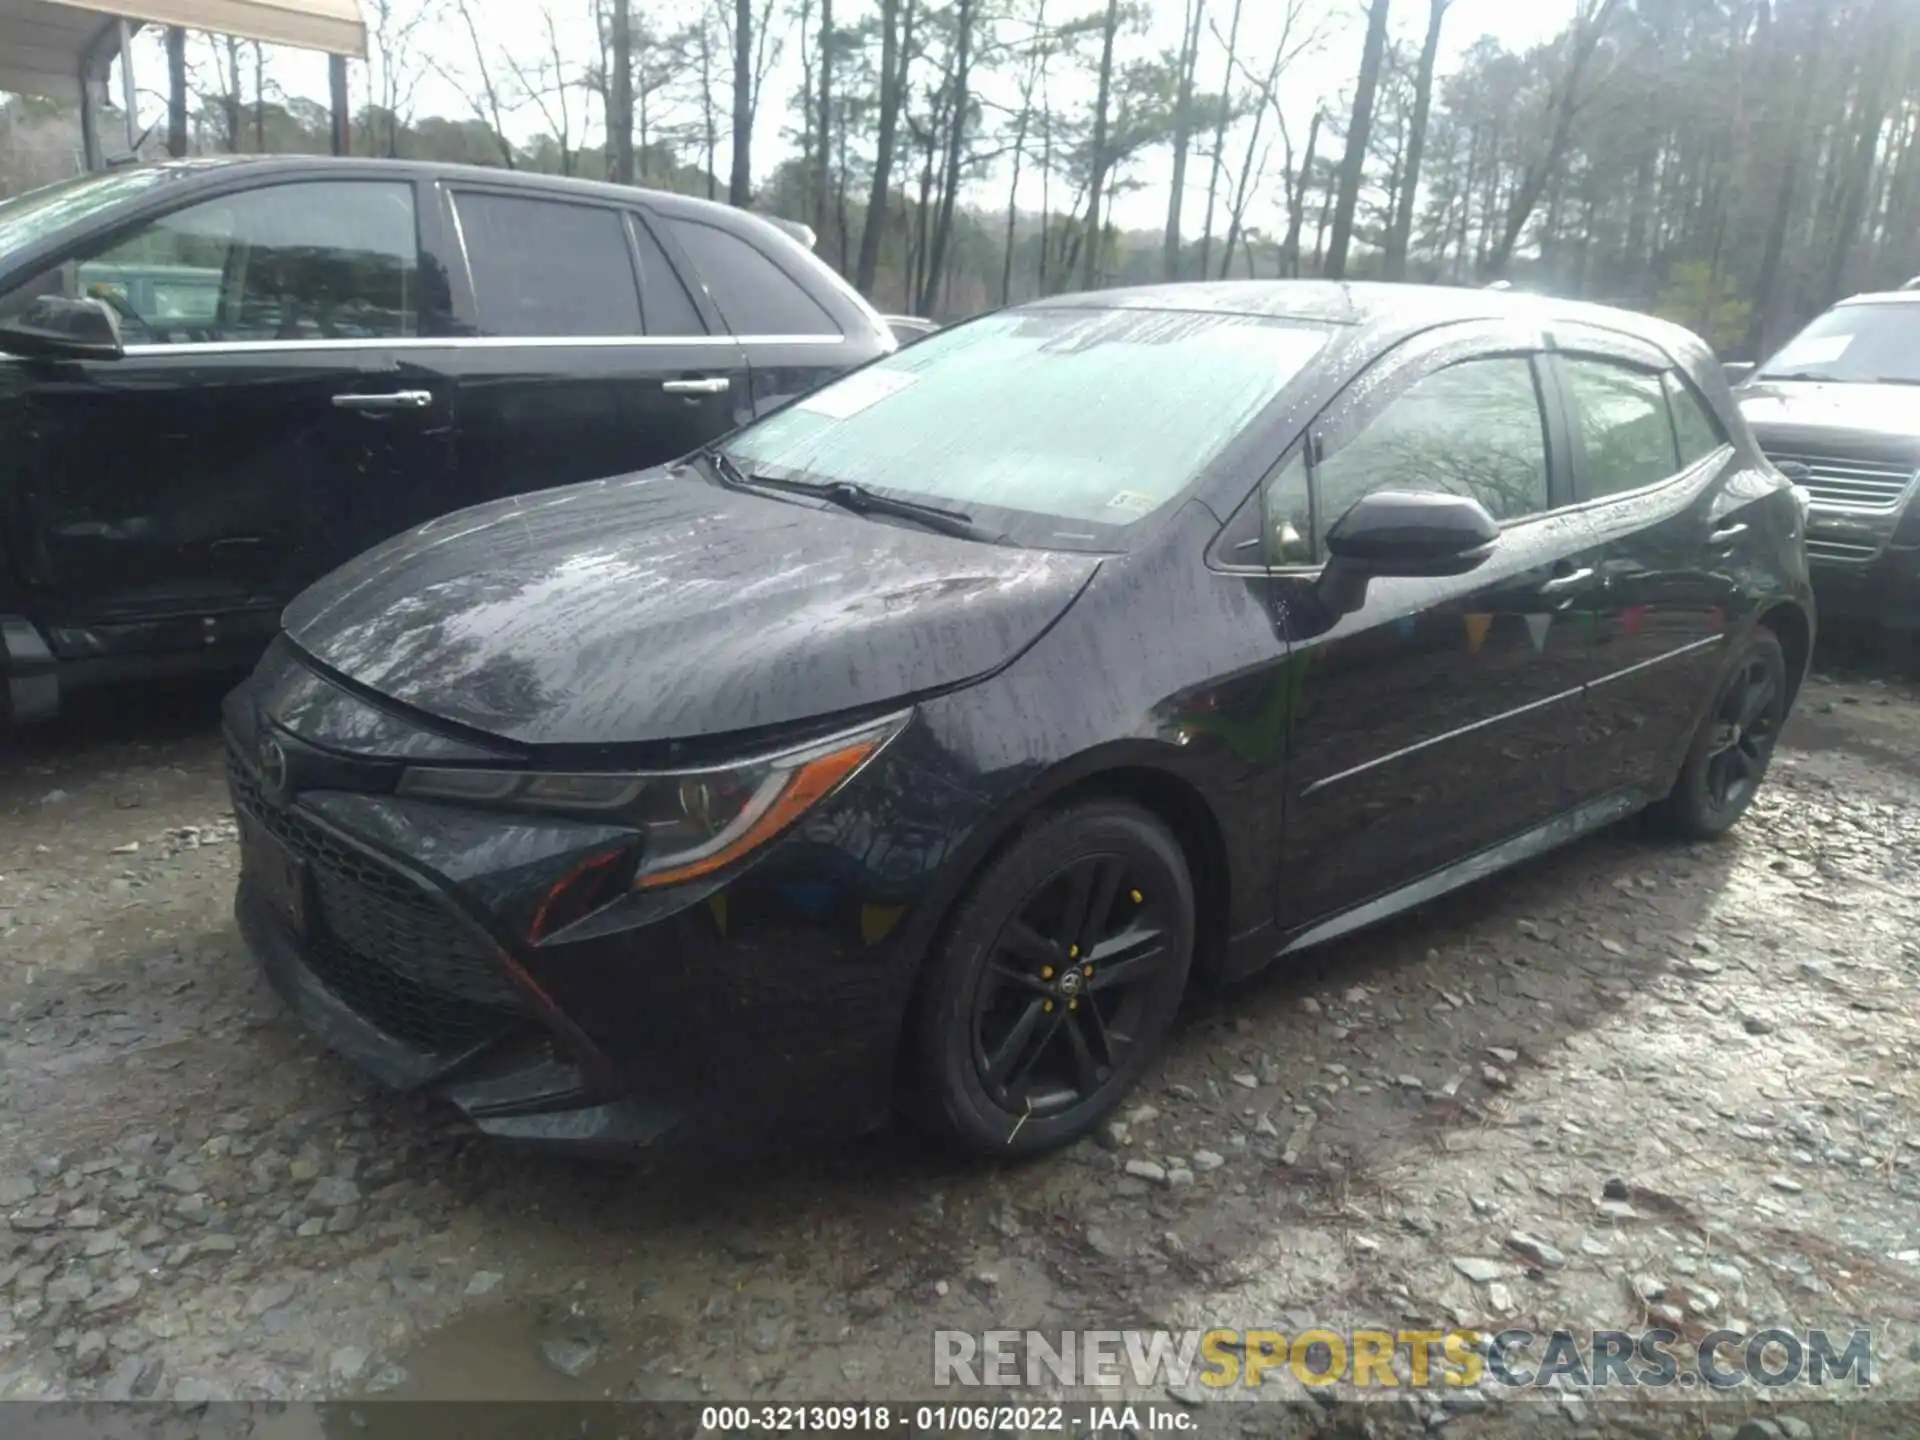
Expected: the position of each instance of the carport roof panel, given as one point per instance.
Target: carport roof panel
(42, 41)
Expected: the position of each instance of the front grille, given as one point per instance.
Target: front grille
(1840, 552)
(1851, 484)
(383, 944)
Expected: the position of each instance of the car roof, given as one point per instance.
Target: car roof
(1885, 297)
(1389, 309)
(211, 165)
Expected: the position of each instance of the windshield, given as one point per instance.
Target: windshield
(36, 214)
(1861, 344)
(1057, 428)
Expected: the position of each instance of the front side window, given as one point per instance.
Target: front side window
(1624, 431)
(329, 260)
(1475, 429)
(1060, 428)
(548, 268)
(1854, 344)
(753, 295)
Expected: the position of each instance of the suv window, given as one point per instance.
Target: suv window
(548, 267)
(1694, 424)
(1475, 428)
(753, 295)
(1624, 429)
(666, 307)
(317, 260)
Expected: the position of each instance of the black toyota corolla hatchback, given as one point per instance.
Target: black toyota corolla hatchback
(922, 743)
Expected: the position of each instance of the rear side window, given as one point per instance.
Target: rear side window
(546, 268)
(1471, 429)
(668, 309)
(753, 295)
(1694, 425)
(1624, 429)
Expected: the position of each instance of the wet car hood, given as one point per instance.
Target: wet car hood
(1882, 419)
(659, 606)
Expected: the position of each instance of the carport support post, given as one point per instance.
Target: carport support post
(96, 62)
(130, 92)
(90, 118)
(337, 82)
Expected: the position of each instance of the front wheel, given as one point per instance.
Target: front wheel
(1733, 747)
(1057, 981)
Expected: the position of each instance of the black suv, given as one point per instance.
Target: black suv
(307, 355)
(1837, 410)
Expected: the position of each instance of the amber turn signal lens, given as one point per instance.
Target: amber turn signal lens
(806, 787)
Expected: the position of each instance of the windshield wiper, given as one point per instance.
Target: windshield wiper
(857, 498)
(1804, 375)
(1896, 379)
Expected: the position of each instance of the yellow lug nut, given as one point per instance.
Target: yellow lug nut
(1046, 1005)
(1087, 970)
(1137, 896)
(1073, 952)
(1046, 972)
(1073, 1004)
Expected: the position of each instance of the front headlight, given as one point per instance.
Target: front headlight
(695, 821)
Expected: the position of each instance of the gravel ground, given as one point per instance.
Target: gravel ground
(1632, 1083)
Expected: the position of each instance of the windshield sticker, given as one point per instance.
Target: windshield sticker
(1132, 501)
(847, 398)
(1819, 350)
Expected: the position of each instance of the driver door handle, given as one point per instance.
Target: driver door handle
(1728, 534)
(385, 402)
(1568, 583)
(709, 385)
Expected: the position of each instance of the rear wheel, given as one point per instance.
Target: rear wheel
(1057, 982)
(1734, 746)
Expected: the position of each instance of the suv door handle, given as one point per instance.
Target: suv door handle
(1568, 583)
(710, 385)
(1728, 534)
(388, 401)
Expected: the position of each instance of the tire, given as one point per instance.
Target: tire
(1734, 743)
(1032, 1025)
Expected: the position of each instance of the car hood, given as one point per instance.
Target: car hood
(1852, 419)
(659, 606)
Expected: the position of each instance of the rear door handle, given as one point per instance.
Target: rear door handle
(1728, 534)
(1568, 583)
(385, 402)
(709, 385)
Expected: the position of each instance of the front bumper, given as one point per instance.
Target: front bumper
(1883, 588)
(519, 1086)
(759, 1009)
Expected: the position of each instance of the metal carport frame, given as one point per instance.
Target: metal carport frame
(61, 49)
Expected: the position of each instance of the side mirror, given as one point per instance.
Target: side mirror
(55, 327)
(1406, 533)
(1738, 372)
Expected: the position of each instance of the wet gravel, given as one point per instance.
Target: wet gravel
(1632, 1083)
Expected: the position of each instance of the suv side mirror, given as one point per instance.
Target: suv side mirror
(1738, 372)
(55, 327)
(1408, 533)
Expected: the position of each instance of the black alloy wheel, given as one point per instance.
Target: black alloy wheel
(1745, 724)
(1058, 982)
(1733, 747)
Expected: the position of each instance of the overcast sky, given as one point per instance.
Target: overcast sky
(518, 27)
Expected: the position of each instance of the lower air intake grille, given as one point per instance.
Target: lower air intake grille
(382, 943)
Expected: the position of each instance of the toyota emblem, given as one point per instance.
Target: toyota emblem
(273, 768)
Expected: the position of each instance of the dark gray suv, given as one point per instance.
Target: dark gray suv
(1837, 410)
